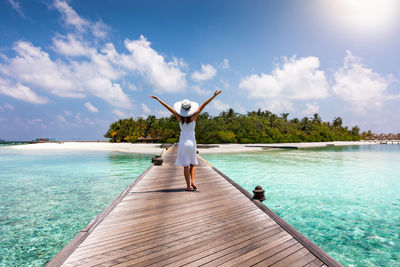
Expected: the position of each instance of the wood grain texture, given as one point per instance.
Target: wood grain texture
(155, 222)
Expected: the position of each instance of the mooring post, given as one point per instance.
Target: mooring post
(157, 160)
(258, 193)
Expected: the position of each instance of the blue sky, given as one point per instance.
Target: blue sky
(70, 68)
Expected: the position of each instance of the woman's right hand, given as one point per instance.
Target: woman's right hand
(217, 92)
(152, 96)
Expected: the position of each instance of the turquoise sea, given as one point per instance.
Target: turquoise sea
(47, 197)
(344, 199)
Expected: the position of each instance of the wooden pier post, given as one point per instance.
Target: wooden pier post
(259, 193)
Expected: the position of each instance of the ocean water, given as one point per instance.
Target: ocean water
(344, 199)
(46, 198)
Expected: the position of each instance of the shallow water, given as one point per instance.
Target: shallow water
(345, 199)
(46, 198)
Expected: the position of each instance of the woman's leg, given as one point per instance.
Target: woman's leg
(186, 172)
(192, 175)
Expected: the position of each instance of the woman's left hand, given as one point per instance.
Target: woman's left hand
(152, 96)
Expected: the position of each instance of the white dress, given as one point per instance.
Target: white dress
(187, 145)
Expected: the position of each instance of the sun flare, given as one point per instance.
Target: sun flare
(364, 16)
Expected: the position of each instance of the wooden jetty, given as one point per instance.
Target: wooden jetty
(154, 222)
(16, 142)
(386, 142)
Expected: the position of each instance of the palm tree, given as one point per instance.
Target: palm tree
(305, 123)
(231, 113)
(316, 118)
(284, 116)
(337, 122)
(355, 130)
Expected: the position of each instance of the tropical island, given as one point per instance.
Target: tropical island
(231, 127)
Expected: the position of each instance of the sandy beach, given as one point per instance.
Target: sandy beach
(156, 149)
(93, 146)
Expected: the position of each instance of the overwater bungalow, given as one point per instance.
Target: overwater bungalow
(147, 139)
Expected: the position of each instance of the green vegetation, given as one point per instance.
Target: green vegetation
(230, 127)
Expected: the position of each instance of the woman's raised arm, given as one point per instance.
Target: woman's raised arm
(167, 107)
(205, 104)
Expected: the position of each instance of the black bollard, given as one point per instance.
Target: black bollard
(259, 193)
(157, 160)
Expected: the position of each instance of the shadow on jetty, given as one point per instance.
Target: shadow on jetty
(172, 190)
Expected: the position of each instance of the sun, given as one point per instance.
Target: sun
(369, 17)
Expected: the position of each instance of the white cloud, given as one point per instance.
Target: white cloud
(311, 108)
(219, 105)
(75, 121)
(67, 112)
(200, 91)
(70, 16)
(224, 64)
(163, 113)
(119, 113)
(17, 7)
(161, 75)
(82, 121)
(21, 92)
(91, 108)
(276, 105)
(61, 119)
(360, 85)
(34, 67)
(131, 86)
(37, 122)
(239, 108)
(224, 83)
(146, 109)
(99, 29)
(109, 91)
(7, 106)
(296, 79)
(70, 45)
(84, 68)
(207, 72)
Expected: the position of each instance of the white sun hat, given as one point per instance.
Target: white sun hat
(186, 108)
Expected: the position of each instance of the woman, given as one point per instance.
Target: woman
(186, 112)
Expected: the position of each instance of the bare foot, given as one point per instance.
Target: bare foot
(188, 189)
(194, 187)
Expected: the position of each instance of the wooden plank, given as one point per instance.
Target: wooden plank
(254, 260)
(306, 259)
(199, 256)
(230, 228)
(295, 257)
(67, 250)
(314, 263)
(134, 230)
(142, 239)
(317, 251)
(157, 223)
(80, 237)
(256, 251)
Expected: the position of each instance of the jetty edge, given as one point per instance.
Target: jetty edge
(302, 239)
(218, 225)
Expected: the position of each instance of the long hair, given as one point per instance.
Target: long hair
(186, 120)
